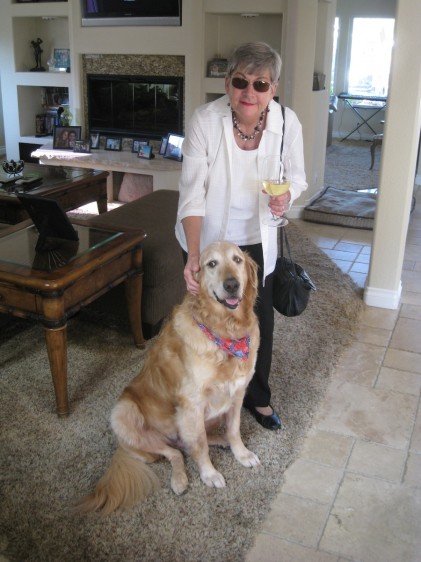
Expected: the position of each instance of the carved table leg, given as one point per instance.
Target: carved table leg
(134, 303)
(56, 339)
(102, 204)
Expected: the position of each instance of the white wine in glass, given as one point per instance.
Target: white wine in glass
(276, 187)
(275, 183)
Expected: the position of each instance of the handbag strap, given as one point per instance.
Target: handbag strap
(283, 235)
(282, 150)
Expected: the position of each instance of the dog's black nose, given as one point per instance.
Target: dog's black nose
(231, 285)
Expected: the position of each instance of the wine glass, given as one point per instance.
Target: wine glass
(275, 183)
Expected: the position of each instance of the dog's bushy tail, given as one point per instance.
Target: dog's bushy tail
(127, 481)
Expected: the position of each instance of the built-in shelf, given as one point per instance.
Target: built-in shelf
(28, 21)
(214, 85)
(58, 79)
(53, 31)
(39, 9)
(224, 30)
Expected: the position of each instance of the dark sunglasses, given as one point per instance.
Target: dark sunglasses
(259, 85)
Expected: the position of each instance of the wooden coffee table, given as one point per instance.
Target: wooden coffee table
(72, 187)
(31, 288)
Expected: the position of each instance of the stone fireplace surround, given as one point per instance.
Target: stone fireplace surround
(142, 65)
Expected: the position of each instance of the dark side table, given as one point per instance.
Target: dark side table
(82, 271)
(71, 187)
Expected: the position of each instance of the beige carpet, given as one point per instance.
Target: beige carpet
(47, 462)
(347, 165)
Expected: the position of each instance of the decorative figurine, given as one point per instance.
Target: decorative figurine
(13, 168)
(36, 45)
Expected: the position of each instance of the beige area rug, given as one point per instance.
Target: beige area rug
(47, 462)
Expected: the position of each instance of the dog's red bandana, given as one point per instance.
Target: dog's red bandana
(237, 348)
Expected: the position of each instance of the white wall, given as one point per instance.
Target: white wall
(402, 132)
(142, 40)
(308, 48)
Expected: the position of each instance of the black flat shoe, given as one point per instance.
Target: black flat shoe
(272, 421)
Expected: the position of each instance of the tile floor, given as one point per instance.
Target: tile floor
(354, 493)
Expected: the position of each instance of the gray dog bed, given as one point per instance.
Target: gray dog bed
(343, 207)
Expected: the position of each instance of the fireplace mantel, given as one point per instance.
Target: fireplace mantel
(165, 172)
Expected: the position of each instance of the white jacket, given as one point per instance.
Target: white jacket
(205, 183)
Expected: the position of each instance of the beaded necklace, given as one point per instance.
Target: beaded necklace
(257, 128)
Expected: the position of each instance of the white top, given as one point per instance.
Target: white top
(208, 173)
(243, 222)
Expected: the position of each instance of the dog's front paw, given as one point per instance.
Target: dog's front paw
(213, 479)
(248, 458)
(179, 484)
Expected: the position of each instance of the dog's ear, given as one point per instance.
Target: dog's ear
(252, 279)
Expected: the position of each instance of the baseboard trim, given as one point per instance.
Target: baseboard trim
(296, 212)
(383, 298)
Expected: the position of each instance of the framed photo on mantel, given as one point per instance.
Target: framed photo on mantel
(65, 137)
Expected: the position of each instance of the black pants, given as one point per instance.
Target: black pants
(258, 392)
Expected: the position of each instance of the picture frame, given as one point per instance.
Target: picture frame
(82, 145)
(145, 151)
(94, 139)
(163, 145)
(138, 143)
(65, 137)
(62, 58)
(50, 120)
(112, 143)
(217, 68)
(173, 149)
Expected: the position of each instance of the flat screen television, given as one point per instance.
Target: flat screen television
(131, 12)
(134, 106)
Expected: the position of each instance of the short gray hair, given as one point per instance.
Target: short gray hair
(253, 57)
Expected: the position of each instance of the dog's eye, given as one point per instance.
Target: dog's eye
(237, 259)
(212, 263)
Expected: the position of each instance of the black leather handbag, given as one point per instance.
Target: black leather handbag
(291, 284)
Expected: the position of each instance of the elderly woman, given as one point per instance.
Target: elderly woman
(220, 188)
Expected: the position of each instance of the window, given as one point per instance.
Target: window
(371, 52)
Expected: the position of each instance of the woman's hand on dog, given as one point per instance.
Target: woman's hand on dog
(190, 273)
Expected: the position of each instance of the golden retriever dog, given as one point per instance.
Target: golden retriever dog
(194, 377)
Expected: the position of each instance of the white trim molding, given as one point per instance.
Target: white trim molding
(383, 298)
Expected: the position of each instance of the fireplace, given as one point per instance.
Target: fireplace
(131, 96)
(135, 106)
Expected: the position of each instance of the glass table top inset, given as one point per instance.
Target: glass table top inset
(18, 248)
